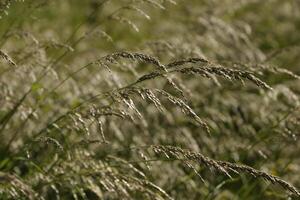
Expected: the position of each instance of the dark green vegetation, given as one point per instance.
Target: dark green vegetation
(149, 99)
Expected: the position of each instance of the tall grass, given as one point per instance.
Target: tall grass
(149, 99)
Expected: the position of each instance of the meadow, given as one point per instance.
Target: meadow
(149, 99)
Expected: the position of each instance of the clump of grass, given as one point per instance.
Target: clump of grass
(118, 100)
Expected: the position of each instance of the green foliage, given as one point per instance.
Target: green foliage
(149, 99)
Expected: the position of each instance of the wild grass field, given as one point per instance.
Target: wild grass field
(149, 99)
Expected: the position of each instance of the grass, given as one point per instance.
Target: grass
(149, 99)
